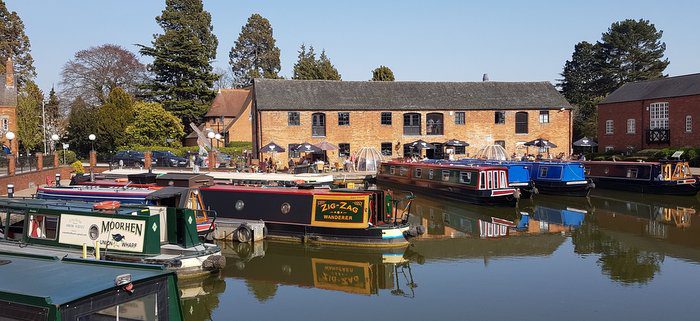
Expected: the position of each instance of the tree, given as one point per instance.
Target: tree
(182, 75)
(154, 126)
(382, 73)
(94, 72)
(581, 84)
(631, 50)
(29, 130)
(254, 54)
(308, 67)
(15, 44)
(82, 121)
(114, 117)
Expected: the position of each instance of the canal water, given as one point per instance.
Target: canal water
(612, 256)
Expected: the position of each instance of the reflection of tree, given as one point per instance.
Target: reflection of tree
(621, 262)
(262, 290)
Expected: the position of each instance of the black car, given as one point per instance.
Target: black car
(168, 159)
(128, 158)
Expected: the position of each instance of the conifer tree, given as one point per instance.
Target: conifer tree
(82, 121)
(308, 67)
(254, 54)
(14, 44)
(631, 50)
(382, 73)
(326, 70)
(182, 75)
(114, 116)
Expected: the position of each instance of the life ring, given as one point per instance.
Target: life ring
(107, 205)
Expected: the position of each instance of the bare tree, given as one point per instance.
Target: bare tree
(225, 79)
(94, 72)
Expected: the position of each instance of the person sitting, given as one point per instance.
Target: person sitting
(291, 164)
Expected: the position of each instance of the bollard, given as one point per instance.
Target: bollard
(10, 190)
(58, 179)
(84, 251)
(97, 250)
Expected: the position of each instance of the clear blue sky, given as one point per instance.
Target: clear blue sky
(418, 40)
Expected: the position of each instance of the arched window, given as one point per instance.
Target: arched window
(318, 124)
(411, 124)
(434, 124)
(521, 122)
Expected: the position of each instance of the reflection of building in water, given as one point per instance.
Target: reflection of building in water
(356, 271)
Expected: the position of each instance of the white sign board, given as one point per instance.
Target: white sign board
(677, 154)
(111, 233)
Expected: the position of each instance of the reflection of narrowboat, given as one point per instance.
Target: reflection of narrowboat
(119, 233)
(154, 196)
(354, 271)
(664, 177)
(348, 217)
(559, 178)
(46, 288)
(518, 174)
(486, 185)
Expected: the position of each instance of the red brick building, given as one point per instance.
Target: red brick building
(387, 115)
(228, 115)
(655, 114)
(8, 104)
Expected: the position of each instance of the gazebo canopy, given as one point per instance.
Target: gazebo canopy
(495, 152)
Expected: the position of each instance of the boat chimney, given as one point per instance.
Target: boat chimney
(485, 77)
(9, 73)
(10, 190)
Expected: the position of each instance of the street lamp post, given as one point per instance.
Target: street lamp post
(211, 136)
(92, 138)
(55, 139)
(10, 136)
(217, 136)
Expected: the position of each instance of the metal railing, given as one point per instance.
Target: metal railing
(658, 136)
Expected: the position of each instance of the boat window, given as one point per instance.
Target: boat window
(587, 170)
(403, 171)
(465, 177)
(143, 308)
(490, 180)
(543, 171)
(632, 172)
(392, 170)
(445, 176)
(482, 180)
(43, 227)
(504, 180)
(430, 174)
(417, 172)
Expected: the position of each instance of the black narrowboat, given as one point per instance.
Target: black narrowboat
(369, 218)
(668, 177)
(483, 185)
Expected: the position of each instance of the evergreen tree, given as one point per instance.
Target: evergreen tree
(254, 54)
(382, 73)
(581, 85)
(154, 126)
(182, 75)
(29, 130)
(14, 44)
(308, 67)
(326, 70)
(114, 116)
(82, 121)
(631, 50)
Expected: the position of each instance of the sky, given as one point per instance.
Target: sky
(418, 40)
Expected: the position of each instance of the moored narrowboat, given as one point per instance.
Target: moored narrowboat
(484, 185)
(46, 288)
(518, 174)
(559, 178)
(368, 218)
(119, 233)
(669, 177)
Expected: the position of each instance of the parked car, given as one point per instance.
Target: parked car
(168, 159)
(128, 158)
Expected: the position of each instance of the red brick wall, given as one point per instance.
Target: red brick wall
(36, 178)
(678, 109)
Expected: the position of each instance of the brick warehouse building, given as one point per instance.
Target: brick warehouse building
(387, 115)
(8, 104)
(655, 114)
(229, 115)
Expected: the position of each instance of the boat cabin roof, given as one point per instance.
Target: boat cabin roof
(665, 161)
(279, 190)
(445, 165)
(61, 281)
(73, 206)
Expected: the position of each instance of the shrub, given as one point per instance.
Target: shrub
(78, 167)
(70, 156)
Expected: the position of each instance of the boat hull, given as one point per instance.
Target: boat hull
(560, 188)
(462, 195)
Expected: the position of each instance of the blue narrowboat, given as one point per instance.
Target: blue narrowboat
(559, 178)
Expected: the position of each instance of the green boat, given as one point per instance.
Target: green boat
(134, 233)
(44, 288)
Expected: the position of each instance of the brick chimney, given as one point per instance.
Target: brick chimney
(9, 73)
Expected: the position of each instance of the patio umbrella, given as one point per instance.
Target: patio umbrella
(585, 142)
(272, 147)
(307, 148)
(421, 144)
(541, 142)
(456, 142)
(325, 147)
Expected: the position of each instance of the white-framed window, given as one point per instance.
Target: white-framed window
(445, 176)
(658, 115)
(544, 116)
(688, 124)
(5, 123)
(631, 126)
(465, 177)
(609, 126)
(609, 148)
(417, 172)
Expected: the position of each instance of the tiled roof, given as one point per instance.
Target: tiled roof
(230, 103)
(275, 94)
(8, 94)
(685, 85)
